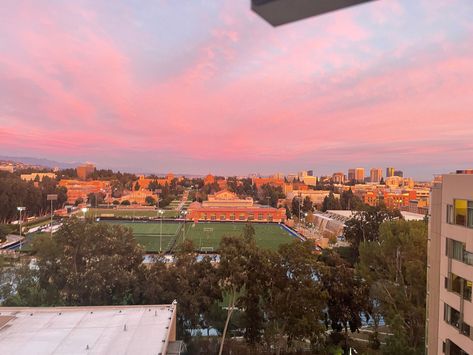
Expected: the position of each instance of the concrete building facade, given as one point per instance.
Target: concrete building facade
(450, 266)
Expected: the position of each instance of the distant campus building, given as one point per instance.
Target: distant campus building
(85, 170)
(78, 189)
(226, 206)
(37, 176)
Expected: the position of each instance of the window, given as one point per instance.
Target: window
(453, 349)
(450, 214)
(242, 217)
(467, 290)
(470, 214)
(456, 250)
(213, 217)
(465, 329)
(260, 216)
(270, 218)
(460, 212)
(232, 217)
(460, 286)
(451, 316)
(251, 217)
(222, 217)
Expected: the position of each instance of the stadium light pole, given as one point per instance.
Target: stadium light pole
(161, 212)
(185, 217)
(20, 209)
(51, 197)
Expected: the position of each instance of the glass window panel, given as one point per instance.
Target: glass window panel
(460, 212)
(457, 250)
(470, 214)
(456, 284)
(450, 214)
(467, 257)
(467, 290)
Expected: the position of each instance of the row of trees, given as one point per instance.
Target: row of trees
(279, 301)
(347, 201)
(16, 192)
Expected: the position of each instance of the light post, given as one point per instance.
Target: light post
(20, 209)
(84, 211)
(161, 212)
(185, 214)
(51, 197)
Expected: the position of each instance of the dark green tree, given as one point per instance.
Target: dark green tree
(331, 203)
(295, 299)
(364, 225)
(348, 296)
(395, 267)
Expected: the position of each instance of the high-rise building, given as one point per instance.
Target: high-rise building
(85, 170)
(310, 172)
(389, 172)
(398, 173)
(450, 266)
(351, 174)
(360, 175)
(376, 174)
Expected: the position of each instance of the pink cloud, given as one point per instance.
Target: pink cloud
(315, 90)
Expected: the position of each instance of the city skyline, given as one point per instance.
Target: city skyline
(210, 87)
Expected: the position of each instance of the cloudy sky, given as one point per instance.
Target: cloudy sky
(197, 86)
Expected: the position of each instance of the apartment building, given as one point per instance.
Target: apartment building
(450, 266)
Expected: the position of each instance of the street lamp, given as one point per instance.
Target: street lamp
(20, 209)
(51, 197)
(84, 210)
(161, 212)
(185, 214)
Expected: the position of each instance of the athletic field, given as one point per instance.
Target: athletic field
(148, 234)
(205, 236)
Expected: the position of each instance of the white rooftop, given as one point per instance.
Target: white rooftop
(408, 216)
(87, 330)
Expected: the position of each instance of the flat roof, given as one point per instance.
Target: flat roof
(86, 330)
(408, 216)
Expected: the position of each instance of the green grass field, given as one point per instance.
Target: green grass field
(130, 213)
(204, 235)
(209, 235)
(148, 234)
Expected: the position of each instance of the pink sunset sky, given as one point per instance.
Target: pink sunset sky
(207, 86)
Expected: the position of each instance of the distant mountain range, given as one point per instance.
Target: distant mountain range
(39, 161)
(47, 163)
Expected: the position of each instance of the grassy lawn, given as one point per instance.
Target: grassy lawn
(268, 236)
(148, 233)
(130, 213)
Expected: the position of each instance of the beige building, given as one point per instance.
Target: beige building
(316, 196)
(41, 176)
(450, 266)
(226, 198)
(7, 167)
